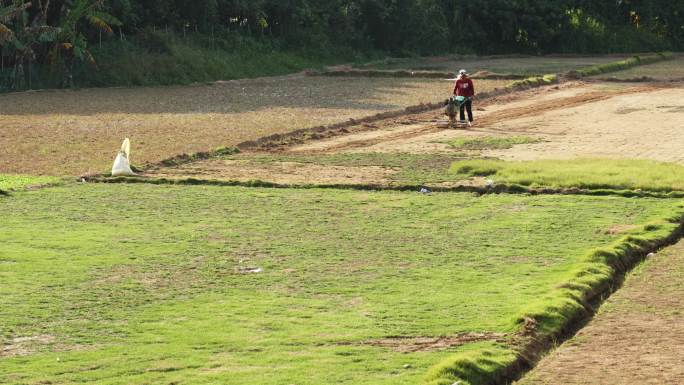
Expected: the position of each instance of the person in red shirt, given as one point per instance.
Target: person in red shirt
(464, 87)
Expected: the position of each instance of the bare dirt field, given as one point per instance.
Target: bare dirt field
(77, 132)
(579, 120)
(637, 337)
(281, 172)
(573, 120)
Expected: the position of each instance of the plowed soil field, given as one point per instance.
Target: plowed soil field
(574, 120)
(77, 132)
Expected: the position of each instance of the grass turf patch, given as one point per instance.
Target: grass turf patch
(515, 64)
(536, 81)
(546, 319)
(663, 70)
(624, 64)
(616, 174)
(142, 283)
(491, 142)
(17, 182)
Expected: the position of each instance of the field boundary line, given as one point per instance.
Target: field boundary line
(417, 74)
(643, 79)
(559, 315)
(635, 61)
(428, 74)
(480, 190)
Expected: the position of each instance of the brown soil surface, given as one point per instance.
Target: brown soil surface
(424, 344)
(418, 130)
(642, 123)
(77, 132)
(590, 120)
(637, 337)
(276, 172)
(557, 115)
(22, 346)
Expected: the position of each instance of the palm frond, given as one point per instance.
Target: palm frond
(100, 24)
(106, 17)
(9, 13)
(6, 34)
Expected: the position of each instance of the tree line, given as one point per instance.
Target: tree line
(426, 26)
(58, 33)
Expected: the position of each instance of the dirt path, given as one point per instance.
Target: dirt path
(612, 121)
(637, 337)
(529, 113)
(645, 124)
(415, 127)
(573, 120)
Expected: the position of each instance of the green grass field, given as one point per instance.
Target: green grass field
(16, 182)
(617, 174)
(198, 284)
(141, 284)
(490, 142)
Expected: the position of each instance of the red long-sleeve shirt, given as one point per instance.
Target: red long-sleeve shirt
(464, 87)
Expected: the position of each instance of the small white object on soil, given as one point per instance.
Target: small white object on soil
(650, 255)
(122, 165)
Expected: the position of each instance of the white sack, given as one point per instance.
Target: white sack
(122, 164)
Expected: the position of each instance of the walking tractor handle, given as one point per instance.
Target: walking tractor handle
(454, 104)
(460, 100)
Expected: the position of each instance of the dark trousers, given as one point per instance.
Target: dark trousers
(468, 105)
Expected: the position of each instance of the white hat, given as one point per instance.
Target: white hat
(463, 72)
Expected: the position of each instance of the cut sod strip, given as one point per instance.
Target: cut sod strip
(134, 284)
(17, 182)
(615, 174)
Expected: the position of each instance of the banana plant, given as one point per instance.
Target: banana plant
(20, 35)
(70, 43)
(8, 14)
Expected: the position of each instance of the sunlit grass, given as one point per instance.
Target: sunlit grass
(582, 173)
(134, 284)
(490, 142)
(16, 182)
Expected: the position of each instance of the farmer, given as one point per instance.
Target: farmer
(464, 87)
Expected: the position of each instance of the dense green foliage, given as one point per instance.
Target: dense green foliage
(57, 34)
(426, 26)
(140, 284)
